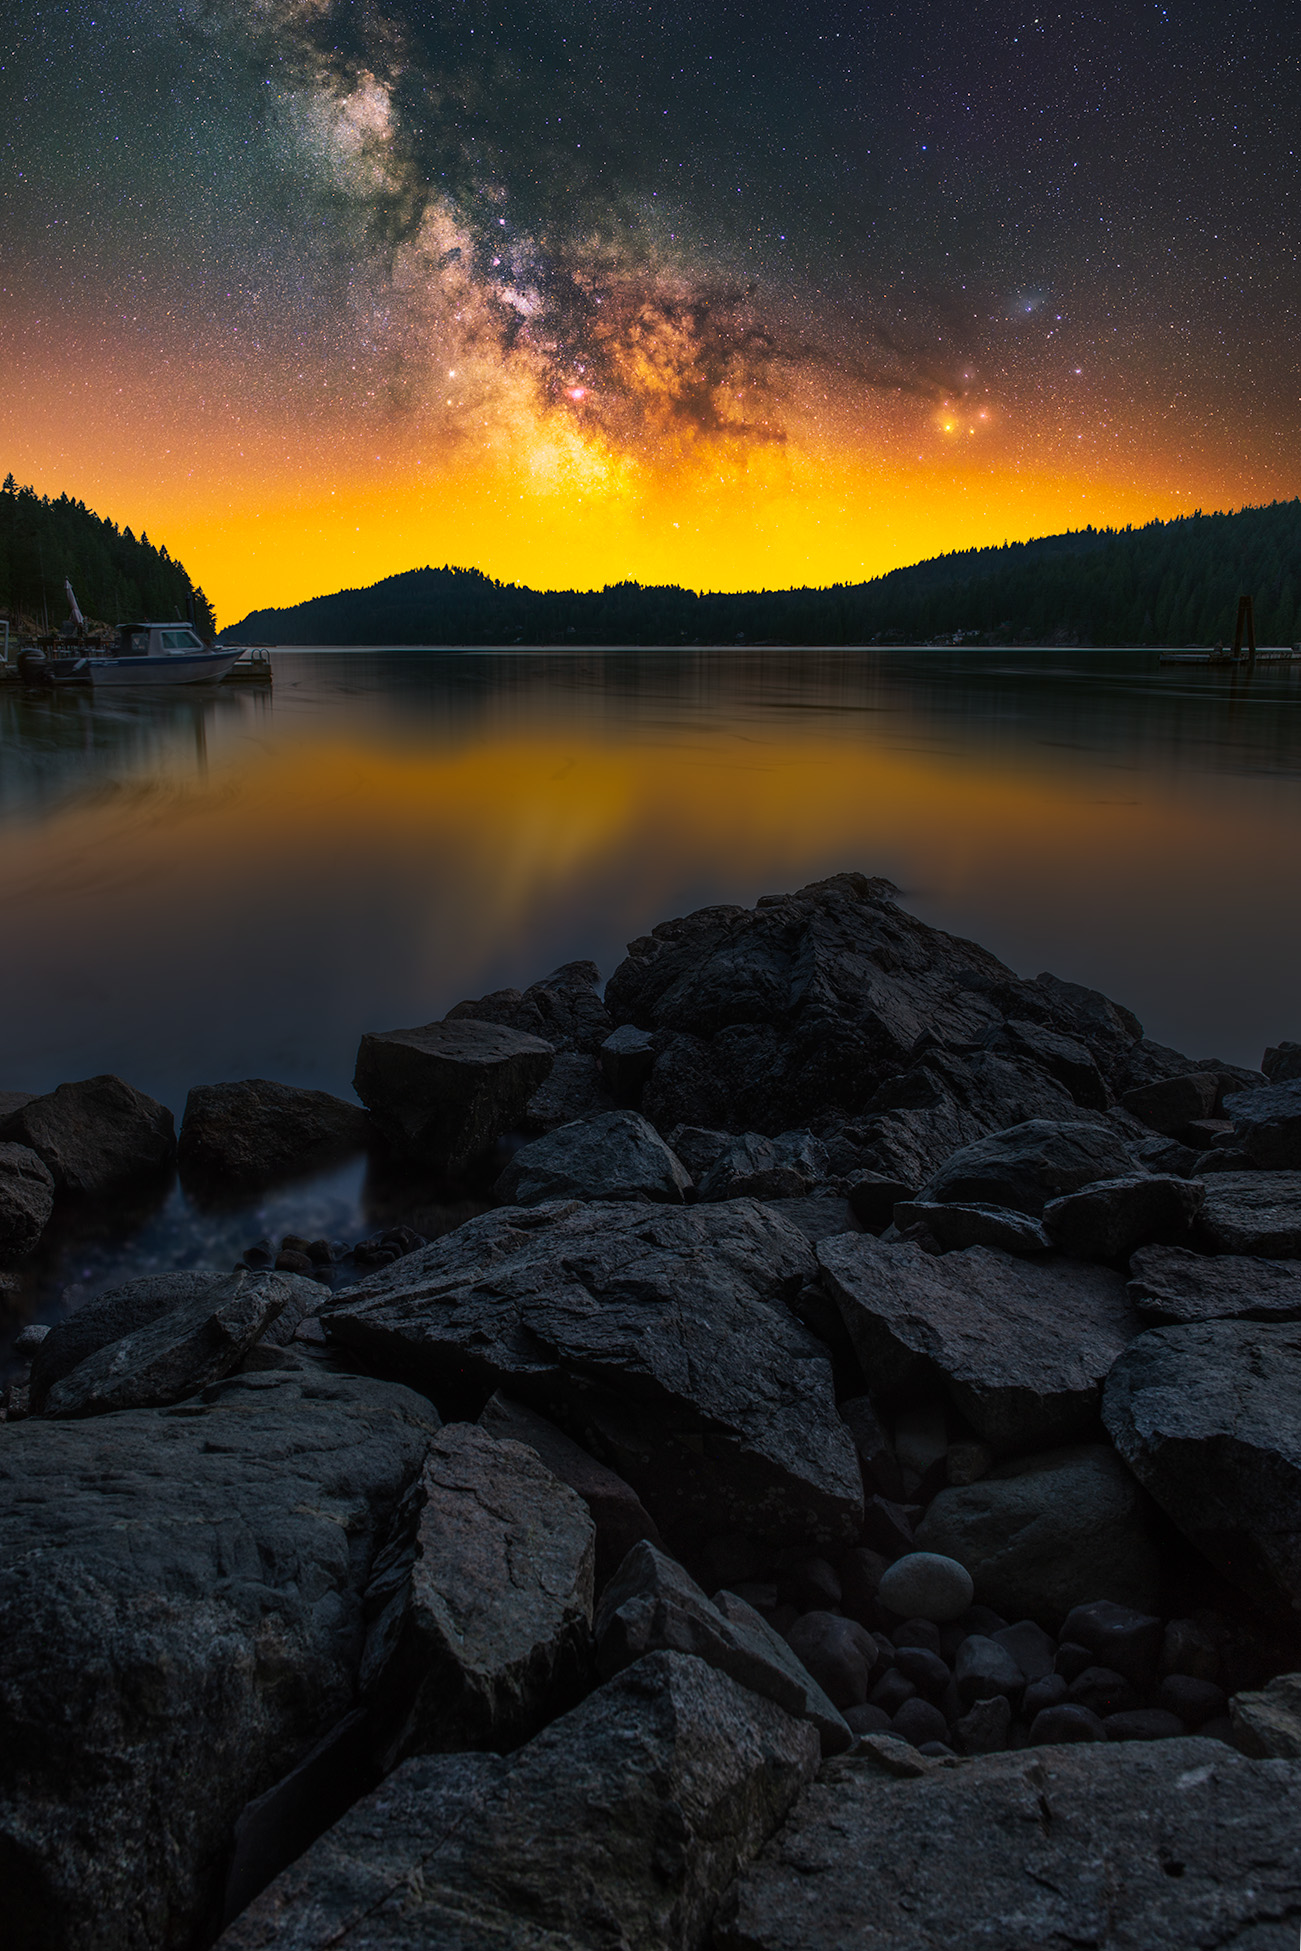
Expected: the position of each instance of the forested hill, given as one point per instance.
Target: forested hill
(117, 579)
(1171, 582)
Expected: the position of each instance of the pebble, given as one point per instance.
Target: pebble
(926, 1585)
(1065, 1723)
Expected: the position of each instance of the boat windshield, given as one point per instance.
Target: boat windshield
(179, 640)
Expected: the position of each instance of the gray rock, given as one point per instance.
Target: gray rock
(982, 1668)
(1208, 1417)
(181, 1618)
(492, 1630)
(652, 1605)
(1030, 1646)
(661, 1338)
(96, 1136)
(1108, 1220)
(1038, 1533)
(26, 1201)
(984, 1728)
(915, 1122)
(953, 1227)
(1282, 1062)
(29, 1339)
(1253, 1213)
(1268, 1722)
(575, 1089)
(784, 1167)
(1071, 1062)
(1123, 1640)
(445, 1092)
(564, 1009)
(616, 1155)
(880, 1465)
(255, 1132)
(1028, 1164)
(626, 1058)
(1170, 1104)
(1113, 1845)
(1022, 1347)
(925, 1585)
(1267, 1124)
(1066, 1721)
(621, 1824)
(11, 1101)
(838, 1652)
(1169, 1286)
(820, 1216)
(698, 1148)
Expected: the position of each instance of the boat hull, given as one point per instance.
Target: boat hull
(117, 673)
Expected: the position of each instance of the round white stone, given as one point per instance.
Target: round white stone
(926, 1585)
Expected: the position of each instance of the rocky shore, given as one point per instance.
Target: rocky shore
(839, 1486)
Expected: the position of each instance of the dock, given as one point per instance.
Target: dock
(254, 667)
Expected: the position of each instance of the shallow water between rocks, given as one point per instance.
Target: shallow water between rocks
(237, 882)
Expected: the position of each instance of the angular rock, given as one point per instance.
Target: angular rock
(661, 1338)
(1028, 1164)
(176, 1355)
(1103, 1691)
(96, 1136)
(255, 1132)
(1071, 1062)
(982, 1668)
(652, 1605)
(1108, 1220)
(575, 1089)
(1022, 1347)
(953, 1227)
(1169, 1286)
(1030, 1646)
(564, 1009)
(1037, 1533)
(698, 1148)
(915, 1122)
(1129, 1642)
(1208, 1417)
(984, 1728)
(880, 1465)
(839, 1653)
(1171, 1104)
(621, 1823)
(26, 1201)
(181, 1618)
(1268, 1722)
(626, 1058)
(444, 1093)
(784, 1167)
(820, 1216)
(1109, 1844)
(616, 1155)
(1282, 1062)
(873, 1198)
(491, 1633)
(1253, 1213)
(1267, 1125)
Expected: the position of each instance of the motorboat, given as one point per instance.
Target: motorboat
(144, 654)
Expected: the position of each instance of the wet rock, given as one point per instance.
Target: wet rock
(26, 1201)
(1169, 1286)
(575, 1089)
(624, 1821)
(626, 1057)
(564, 1009)
(954, 1227)
(255, 1132)
(181, 1618)
(839, 1653)
(1268, 1722)
(491, 1632)
(1107, 1221)
(1022, 1348)
(1028, 1164)
(1267, 1124)
(1036, 1533)
(661, 1338)
(1208, 1418)
(925, 1585)
(1171, 1104)
(444, 1093)
(617, 1155)
(95, 1137)
(784, 1167)
(1253, 1213)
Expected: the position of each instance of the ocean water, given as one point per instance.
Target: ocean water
(236, 883)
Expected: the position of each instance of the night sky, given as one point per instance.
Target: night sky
(316, 290)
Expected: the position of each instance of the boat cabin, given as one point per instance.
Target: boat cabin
(158, 640)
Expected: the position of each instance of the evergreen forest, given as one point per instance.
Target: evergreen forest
(116, 578)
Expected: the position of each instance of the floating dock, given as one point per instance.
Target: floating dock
(254, 667)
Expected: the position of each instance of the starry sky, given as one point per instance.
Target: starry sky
(572, 290)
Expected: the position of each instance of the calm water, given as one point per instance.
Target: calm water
(203, 887)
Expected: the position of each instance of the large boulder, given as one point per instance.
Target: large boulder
(942, 1103)
(1158, 1845)
(491, 1633)
(616, 1155)
(1042, 1533)
(1168, 1286)
(255, 1132)
(1253, 1213)
(1108, 1220)
(26, 1201)
(785, 1167)
(933, 1223)
(574, 1089)
(96, 1136)
(1208, 1417)
(659, 1337)
(564, 1009)
(444, 1093)
(1267, 1124)
(1066, 1058)
(1170, 1104)
(1029, 1164)
(621, 1824)
(1268, 1721)
(182, 1618)
(1022, 1347)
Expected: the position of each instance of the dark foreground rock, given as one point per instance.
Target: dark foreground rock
(1169, 1286)
(1108, 1220)
(444, 1093)
(660, 1337)
(255, 1132)
(1022, 1347)
(1267, 1721)
(785, 1167)
(1253, 1213)
(1145, 1847)
(181, 1619)
(1029, 1164)
(1267, 1124)
(564, 1009)
(951, 1228)
(616, 1155)
(96, 1136)
(1208, 1417)
(620, 1825)
(26, 1201)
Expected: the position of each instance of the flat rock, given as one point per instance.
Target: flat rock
(1169, 1286)
(1028, 1164)
(616, 1155)
(26, 1201)
(953, 1227)
(620, 1824)
(1253, 1213)
(255, 1132)
(445, 1092)
(1268, 1722)
(1267, 1124)
(1119, 1846)
(1022, 1347)
(1111, 1218)
(181, 1618)
(96, 1136)
(659, 1337)
(784, 1167)
(1208, 1417)
(1040, 1534)
(492, 1632)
